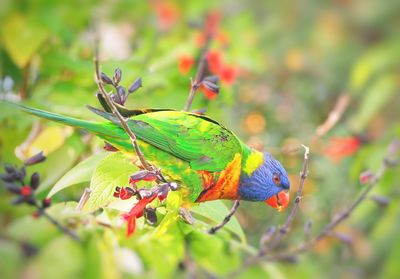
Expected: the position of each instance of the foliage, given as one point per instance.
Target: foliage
(283, 66)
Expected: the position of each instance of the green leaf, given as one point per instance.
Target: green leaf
(100, 256)
(62, 258)
(66, 211)
(174, 201)
(114, 170)
(215, 211)
(12, 261)
(40, 230)
(212, 253)
(79, 174)
(373, 62)
(255, 272)
(376, 96)
(59, 162)
(22, 38)
(162, 254)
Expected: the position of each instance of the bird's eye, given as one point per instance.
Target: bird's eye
(276, 178)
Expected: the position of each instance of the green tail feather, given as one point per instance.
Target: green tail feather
(102, 129)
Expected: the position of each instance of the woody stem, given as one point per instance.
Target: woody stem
(227, 218)
(201, 68)
(121, 119)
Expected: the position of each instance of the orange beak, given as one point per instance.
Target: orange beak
(279, 201)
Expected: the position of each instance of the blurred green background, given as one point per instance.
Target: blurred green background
(283, 65)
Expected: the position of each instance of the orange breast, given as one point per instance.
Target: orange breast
(224, 185)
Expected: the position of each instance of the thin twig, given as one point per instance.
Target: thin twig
(227, 218)
(23, 92)
(334, 116)
(84, 198)
(327, 230)
(23, 149)
(289, 220)
(285, 227)
(189, 265)
(275, 239)
(121, 119)
(57, 224)
(200, 71)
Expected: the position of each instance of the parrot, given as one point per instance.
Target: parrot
(206, 159)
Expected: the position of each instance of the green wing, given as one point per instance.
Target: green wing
(197, 139)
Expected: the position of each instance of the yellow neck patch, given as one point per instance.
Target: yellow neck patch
(253, 161)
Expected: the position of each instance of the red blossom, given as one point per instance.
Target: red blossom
(36, 214)
(136, 212)
(185, 63)
(125, 194)
(200, 39)
(26, 191)
(211, 30)
(214, 60)
(228, 74)
(109, 147)
(167, 14)
(117, 192)
(46, 202)
(163, 192)
(210, 95)
(366, 176)
(222, 37)
(162, 196)
(338, 148)
(212, 21)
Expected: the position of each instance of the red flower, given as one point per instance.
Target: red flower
(228, 74)
(36, 214)
(185, 63)
(208, 93)
(167, 14)
(214, 60)
(222, 38)
(211, 30)
(26, 191)
(338, 148)
(366, 176)
(136, 212)
(212, 21)
(109, 147)
(46, 202)
(125, 194)
(200, 39)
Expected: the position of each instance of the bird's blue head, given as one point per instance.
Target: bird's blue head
(269, 183)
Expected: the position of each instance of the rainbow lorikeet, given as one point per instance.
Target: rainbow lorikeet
(207, 159)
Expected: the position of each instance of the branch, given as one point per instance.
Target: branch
(226, 219)
(114, 110)
(200, 71)
(84, 198)
(269, 239)
(285, 228)
(334, 116)
(57, 224)
(387, 162)
(23, 92)
(277, 238)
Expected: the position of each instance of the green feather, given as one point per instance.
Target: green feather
(101, 129)
(202, 142)
(195, 142)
